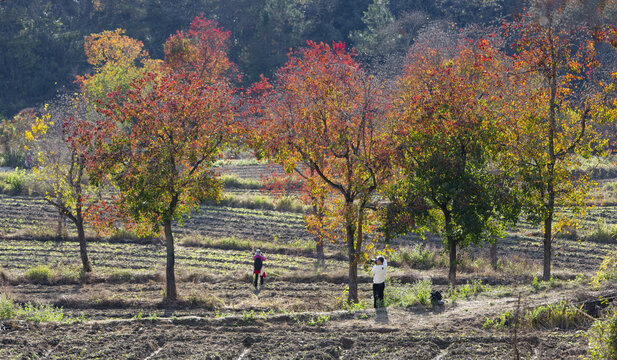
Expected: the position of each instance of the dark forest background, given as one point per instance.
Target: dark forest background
(41, 41)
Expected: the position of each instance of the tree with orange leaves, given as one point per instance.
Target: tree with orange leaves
(322, 114)
(560, 95)
(160, 138)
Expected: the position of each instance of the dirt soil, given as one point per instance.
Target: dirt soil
(135, 325)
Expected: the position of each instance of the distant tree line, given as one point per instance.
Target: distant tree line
(42, 41)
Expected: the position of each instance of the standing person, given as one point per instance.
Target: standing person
(379, 280)
(258, 268)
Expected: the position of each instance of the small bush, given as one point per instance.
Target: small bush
(14, 159)
(603, 337)
(469, 289)
(8, 309)
(41, 274)
(15, 182)
(408, 295)
(503, 320)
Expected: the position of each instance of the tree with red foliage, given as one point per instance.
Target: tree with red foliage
(322, 114)
(160, 138)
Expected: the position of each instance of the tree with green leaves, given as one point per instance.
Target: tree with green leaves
(447, 130)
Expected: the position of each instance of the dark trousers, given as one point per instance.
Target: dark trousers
(378, 294)
(262, 280)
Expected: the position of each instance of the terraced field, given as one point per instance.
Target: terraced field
(296, 315)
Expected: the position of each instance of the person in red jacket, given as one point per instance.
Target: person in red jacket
(258, 268)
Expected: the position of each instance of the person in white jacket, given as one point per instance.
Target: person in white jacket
(379, 281)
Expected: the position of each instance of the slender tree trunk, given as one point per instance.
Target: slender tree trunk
(548, 234)
(493, 251)
(319, 249)
(550, 188)
(170, 275)
(351, 251)
(83, 252)
(452, 251)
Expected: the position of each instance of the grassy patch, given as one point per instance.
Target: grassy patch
(602, 233)
(29, 312)
(235, 182)
(207, 301)
(405, 295)
(261, 202)
(41, 274)
(468, 290)
(558, 315)
(419, 257)
(298, 247)
(19, 182)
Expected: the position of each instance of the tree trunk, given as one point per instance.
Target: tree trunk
(452, 251)
(170, 275)
(550, 188)
(351, 251)
(548, 227)
(319, 249)
(494, 255)
(83, 252)
(451, 247)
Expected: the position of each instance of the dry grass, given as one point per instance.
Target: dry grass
(202, 300)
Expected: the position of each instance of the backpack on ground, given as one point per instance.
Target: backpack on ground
(436, 297)
(258, 264)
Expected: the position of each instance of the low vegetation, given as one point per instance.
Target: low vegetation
(560, 315)
(404, 295)
(9, 310)
(602, 337)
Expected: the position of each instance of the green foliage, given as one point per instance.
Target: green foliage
(342, 302)
(468, 290)
(607, 270)
(41, 274)
(8, 309)
(380, 36)
(233, 181)
(29, 312)
(535, 284)
(502, 321)
(602, 233)
(557, 315)
(405, 295)
(419, 257)
(602, 337)
(319, 320)
(14, 182)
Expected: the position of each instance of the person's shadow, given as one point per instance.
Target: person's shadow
(381, 315)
